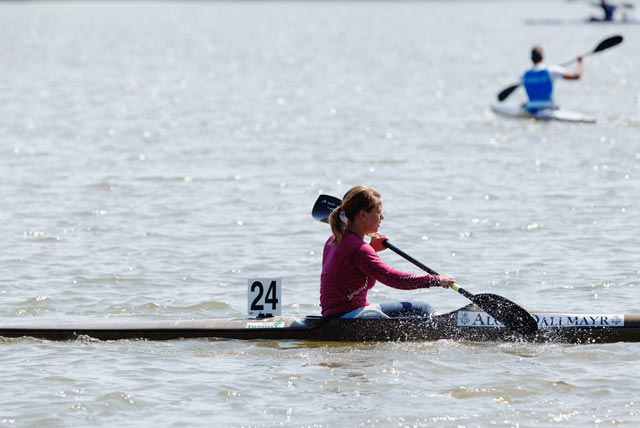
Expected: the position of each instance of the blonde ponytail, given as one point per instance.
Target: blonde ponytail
(338, 227)
(356, 199)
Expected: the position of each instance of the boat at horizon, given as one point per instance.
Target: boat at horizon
(566, 21)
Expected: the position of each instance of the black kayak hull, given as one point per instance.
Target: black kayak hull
(466, 324)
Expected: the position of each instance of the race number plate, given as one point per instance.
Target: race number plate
(264, 297)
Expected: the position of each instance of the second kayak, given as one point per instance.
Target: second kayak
(559, 115)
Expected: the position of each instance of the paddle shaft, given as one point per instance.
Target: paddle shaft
(454, 286)
(584, 55)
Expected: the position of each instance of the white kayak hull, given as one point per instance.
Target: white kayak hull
(559, 115)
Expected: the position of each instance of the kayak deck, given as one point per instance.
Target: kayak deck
(468, 324)
(559, 115)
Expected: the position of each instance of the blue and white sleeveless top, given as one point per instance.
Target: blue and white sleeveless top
(538, 83)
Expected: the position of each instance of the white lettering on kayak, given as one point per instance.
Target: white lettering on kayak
(270, 324)
(482, 319)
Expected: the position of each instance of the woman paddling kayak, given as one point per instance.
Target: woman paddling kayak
(351, 266)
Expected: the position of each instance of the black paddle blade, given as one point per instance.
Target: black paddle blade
(324, 205)
(609, 43)
(504, 94)
(507, 312)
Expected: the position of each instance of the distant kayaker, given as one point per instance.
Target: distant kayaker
(538, 81)
(351, 266)
(608, 10)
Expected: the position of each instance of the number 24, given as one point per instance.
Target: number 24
(270, 297)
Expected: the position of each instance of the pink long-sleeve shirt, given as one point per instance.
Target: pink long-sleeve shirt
(350, 269)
